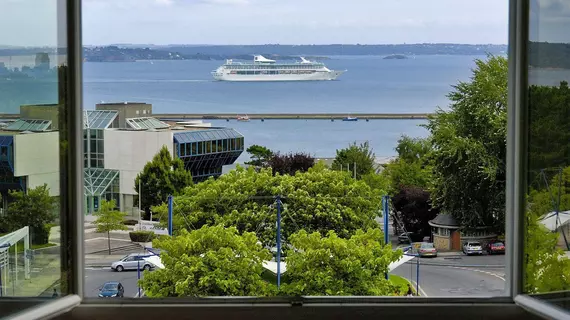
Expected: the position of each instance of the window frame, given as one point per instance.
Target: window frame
(513, 305)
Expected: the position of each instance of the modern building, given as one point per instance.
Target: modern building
(117, 145)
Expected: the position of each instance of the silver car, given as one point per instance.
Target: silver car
(472, 247)
(132, 261)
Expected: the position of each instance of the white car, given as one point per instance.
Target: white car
(472, 247)
(132, 261)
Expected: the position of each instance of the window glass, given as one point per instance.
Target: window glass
(33, 68)
(547, 242)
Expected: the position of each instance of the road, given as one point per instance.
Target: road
(96, 277)
(470, 276)
(458, 276)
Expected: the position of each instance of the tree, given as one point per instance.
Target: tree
(317, 200)
(547, 268)
(549, 134)
(109, 219)
(359, 156)
(260, 155)
(333, 266)
(290, 163)
(414, 209)
(35, 209)
(210, 261)
(469, 148)
(161, 177)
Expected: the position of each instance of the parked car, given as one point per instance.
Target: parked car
(496, 247)
(112, 289)
(405, 237)
(472, 247)
(132, 261)
(427, 250)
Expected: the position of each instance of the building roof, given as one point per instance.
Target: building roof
(29, 125)
(144, 123)
(206, 135)
(444, 220)
(97, 180)
(98, 119)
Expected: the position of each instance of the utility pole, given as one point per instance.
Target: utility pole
(278, 198)
(354, 169)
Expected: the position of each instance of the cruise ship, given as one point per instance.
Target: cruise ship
(263, 69)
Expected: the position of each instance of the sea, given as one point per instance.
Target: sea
(371, 84)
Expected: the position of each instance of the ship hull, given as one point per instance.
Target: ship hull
(317, 76)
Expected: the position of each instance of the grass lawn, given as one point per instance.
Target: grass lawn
(401, 282)
(20, 246)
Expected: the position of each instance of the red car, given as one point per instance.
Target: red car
(496, 248)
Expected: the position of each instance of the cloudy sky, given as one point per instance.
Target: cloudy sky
(262, 21)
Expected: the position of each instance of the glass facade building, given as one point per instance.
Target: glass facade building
(205, 152)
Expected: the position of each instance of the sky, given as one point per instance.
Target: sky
(263, 21)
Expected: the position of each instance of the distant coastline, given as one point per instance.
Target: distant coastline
(130, 53)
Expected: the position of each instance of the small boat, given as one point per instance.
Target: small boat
(243, 118)
(350, 119)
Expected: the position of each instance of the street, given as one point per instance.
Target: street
(96, 277)
(458, 276)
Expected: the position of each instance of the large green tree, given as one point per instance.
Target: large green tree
(469, 148)
(210, 261)
(109, 219)
(34, 208)
(549, 117)
(161, 177)
(357, 157)
(333, 266)
(317, 200)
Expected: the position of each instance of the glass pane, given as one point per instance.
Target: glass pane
(33, 67)
(547, 249)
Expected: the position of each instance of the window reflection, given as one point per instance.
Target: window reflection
(547, 243)
(31, 62)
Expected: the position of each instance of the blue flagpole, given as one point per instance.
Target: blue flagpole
(170, 215)
(278, 241)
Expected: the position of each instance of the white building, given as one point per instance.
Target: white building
(115, 151)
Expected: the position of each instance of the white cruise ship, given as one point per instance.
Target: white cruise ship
(263, 69)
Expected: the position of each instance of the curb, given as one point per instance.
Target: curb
(456, 265)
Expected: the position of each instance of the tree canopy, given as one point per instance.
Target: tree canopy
(35, 208)
(332, 266)
(260, 155)
(161, 177)
(317, 200)
(210, 261)
(413, 207)
(469, 148)
(360, 156)
(546, 268)
(290, 163)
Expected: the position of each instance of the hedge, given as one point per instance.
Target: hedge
(130, 222)
(142, 236)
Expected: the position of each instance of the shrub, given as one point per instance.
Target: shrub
(130, 222)
(142, 236)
